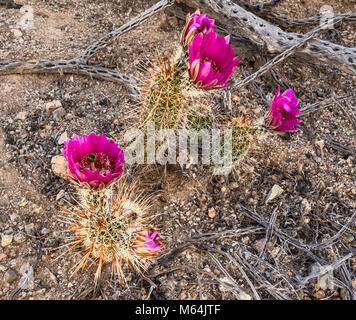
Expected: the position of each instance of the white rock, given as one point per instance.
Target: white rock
(53, 105)
(6, 240)
(62, 138)
(21, 115)
(17, 33)
(59, 166)
(275, 192)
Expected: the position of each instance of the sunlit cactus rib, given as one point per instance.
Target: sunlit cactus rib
(242, 136)
(107, 229)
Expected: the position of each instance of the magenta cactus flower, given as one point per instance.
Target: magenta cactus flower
(211, 60)
(147, 243)
(94, 162)
(282, 115)
(197, 22)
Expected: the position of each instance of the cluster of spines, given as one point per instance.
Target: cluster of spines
(106, 229)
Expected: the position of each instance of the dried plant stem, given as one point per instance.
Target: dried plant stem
(275, 40)
(79, 64)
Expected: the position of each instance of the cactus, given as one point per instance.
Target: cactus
(108, 229)
(164, 92)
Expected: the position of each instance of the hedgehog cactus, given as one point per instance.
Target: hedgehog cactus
(163, 93)
(110, 232)
(205, 61)
(242, 135)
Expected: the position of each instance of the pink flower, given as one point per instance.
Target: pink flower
(211, 60)
(195, 23)
(147, 243)
(282, 115)
(93, 162)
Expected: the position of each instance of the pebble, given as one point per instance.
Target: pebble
(30, 229)
(6, 240)
(275, 192)
(258, 245)
(17, 33)
(63, 137)
(2, 256)
(21, 115)
(2, 218)
(59, 167)
(19, 237)
(10, 276)
(211, 213)
(53, 105)
(58, 114)
(45, 231)
(319, 294)
(234, 185)
(306, 205)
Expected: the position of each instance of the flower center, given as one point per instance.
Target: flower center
(214, 65)
(96, 161)
(91, 157)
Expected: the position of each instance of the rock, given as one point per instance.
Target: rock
(53, 105)
(69, 116)
(275, 192)
(62, 138)
(36, 208)
(6, 240)
(59, 167)
(2, 218)
(17, 33)
(27, 280)
(10, 276)
(45, 231)
(234, 185)
(58, 114)
(306, 206)
(2, 268)
(211, 213)
(21, 115)
(258, 245)
(2, 256)
(19, 237)
(52, 277)
(319, 294)
(30, 229)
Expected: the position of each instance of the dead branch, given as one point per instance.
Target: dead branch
(305, 247)
(321, 104)
(348, 114)
(93, 48)
(79, 64)
(62, 66)
(304, 280)
(338, 146)
(272, 37)
(10, 4)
